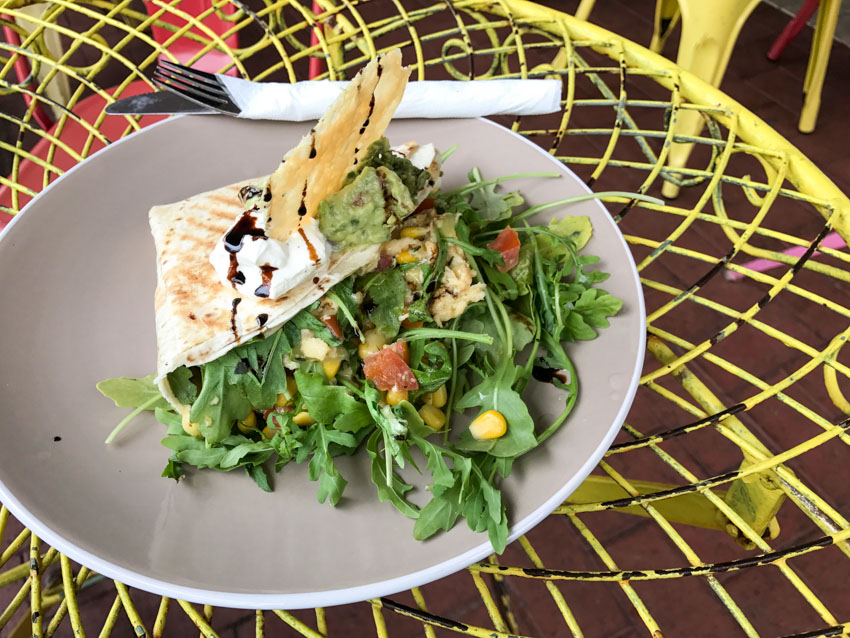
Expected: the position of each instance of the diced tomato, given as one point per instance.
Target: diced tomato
(333, 326)
(400, 346)
(507, 243)
(387, 369)
(427, 203)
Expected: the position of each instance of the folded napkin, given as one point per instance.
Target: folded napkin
(302, 101)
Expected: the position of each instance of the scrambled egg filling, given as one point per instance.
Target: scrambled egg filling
(418, 244)
(456, 289)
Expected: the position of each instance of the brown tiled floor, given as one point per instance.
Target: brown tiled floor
(682, 607)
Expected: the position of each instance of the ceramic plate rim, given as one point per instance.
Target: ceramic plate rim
(360, 592)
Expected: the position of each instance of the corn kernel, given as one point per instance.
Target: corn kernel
(394, 397)
(331, 367)
(434, 418)
(490, 425)
(302, 418)
(312, 347)
(285, 398)
(405, 257)
(248, 424)
(414, 232)
(437, 398)
(374, 342)
(192, 429)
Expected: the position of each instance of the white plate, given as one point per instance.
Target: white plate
(77, 307)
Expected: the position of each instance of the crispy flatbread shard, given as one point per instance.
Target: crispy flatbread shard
(198, 319)
(317, 167)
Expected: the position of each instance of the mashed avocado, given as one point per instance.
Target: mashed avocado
(365, 210)
(379, 154)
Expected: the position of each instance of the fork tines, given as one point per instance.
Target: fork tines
(199, 86)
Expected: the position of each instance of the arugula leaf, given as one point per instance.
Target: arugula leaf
(431, 364)
(495, 393)
(256, 368)
(332, 404)
(305, 321)
(260, 476)
(386, 292)
(390, 487)
(440, 513)
(219, 404)
(318, 439)
(343, 296)
(172, 420)
(128, 392)
(521, 273)
(435, 276)
(418, 311)
(483, 507)
(522, 333)
(596, 305)
(173, 469)
(589, 312)
(490, 205)
(180, 382)
(501, 283)
(574, 228)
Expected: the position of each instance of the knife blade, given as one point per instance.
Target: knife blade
(157, 103)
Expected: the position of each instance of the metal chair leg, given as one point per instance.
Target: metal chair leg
(818, 61)
(584, 9)
(666, 17)
(709, 33)
(793, 28)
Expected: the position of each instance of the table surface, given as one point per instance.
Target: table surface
(699, 461)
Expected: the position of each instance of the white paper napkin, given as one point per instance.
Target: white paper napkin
(428, 99)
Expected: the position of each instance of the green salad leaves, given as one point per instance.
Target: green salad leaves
(266, 404)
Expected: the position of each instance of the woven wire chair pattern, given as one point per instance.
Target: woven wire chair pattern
(696, 459)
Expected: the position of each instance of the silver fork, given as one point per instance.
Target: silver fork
(198, 86)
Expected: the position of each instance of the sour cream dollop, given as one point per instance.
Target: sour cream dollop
(255, 264)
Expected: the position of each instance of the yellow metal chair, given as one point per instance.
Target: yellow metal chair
(709, 33)
(818, 60)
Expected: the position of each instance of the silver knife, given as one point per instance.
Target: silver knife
(158, 103)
